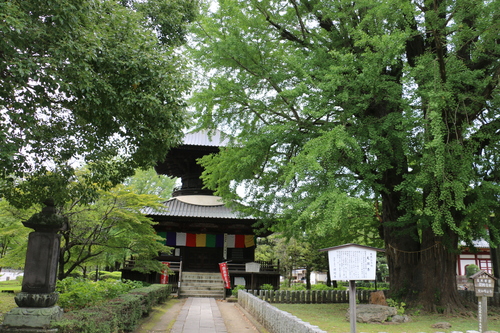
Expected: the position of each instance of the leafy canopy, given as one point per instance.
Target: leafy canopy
(103, 233)
(362, 115)
(87, 82)
(109, 231)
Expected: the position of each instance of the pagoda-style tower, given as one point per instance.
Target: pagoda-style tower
(197, 224)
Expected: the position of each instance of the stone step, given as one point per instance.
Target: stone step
(193, 279)
(195, 284)
(201, 277)
(195, 287)
(201, 280)
(201, 294)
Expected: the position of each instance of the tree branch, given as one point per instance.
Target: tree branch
(284, 33)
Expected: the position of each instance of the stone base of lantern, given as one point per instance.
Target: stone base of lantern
(30, 320)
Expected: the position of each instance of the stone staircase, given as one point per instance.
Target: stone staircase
(195, 284)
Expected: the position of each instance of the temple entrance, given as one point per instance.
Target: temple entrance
(201, 259)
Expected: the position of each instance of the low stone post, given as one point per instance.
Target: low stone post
(37, 298)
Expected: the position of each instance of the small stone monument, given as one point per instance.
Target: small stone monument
(37, 298)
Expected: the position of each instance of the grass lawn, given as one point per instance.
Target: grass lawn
(332, 318)
(7, 299)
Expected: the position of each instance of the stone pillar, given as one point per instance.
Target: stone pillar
(37, 298)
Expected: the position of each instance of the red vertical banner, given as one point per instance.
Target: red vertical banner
(164, 273)
(225, 275)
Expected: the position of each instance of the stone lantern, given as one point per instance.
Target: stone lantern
(37, 299)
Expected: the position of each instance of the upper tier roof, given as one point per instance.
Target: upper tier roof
(204, 138)
(185, 208)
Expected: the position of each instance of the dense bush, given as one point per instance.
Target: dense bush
(78, 293)
(119, 314)
(321, 286)
(234, 292)
(471, 270)
(105, 275)
(368, 285)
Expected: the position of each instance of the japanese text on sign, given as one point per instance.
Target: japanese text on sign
(484, 286)
(352, 264)
(225, 275)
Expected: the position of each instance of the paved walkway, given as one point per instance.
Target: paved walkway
(199, 315)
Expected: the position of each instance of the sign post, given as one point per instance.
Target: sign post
(483, 285)
(352, 262)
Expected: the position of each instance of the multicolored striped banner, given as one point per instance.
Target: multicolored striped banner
(206, 240)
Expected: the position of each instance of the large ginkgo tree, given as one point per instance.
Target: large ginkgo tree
(371, 117)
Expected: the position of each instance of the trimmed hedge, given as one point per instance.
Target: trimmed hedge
(121, 314)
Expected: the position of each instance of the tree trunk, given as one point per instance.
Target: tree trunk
(401, 242)
(438, 265)
(495, 260)
(422, 269)
(308, 278)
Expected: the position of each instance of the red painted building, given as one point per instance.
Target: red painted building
(480, 256)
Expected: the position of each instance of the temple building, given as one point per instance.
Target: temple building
(202, 231)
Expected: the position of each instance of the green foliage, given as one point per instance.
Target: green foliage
(400, 306)
(367, 285)
(122, 313)
(78, 293)
(104, 232)
(234, 292)
(369, 122)
(109, 230)
(87, 81)
(296, 286)
(149, 182)
(13, 236)
(104, 275)
(294, 252)
(321, 286)
(471, 270)
(267, 286)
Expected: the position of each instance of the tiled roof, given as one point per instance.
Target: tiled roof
(204, 138)
(175, 207)
(478, 243)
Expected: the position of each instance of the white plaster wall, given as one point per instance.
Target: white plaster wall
(9, 274)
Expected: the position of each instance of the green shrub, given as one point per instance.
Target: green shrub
(267, 286)
(78, 293)
(284, 285)
(119, 314)
(105, 275)
(320, 286)
(298, 286)
(234, 292)
(471, 270)
(400, 307)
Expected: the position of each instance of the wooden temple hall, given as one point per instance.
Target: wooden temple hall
(202, 231)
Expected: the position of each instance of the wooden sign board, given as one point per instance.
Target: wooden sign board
(352, 262)
(484, 284)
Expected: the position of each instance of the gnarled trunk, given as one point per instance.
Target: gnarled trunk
(422, 268)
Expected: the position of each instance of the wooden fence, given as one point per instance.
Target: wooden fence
(341, 296)
(309, 296)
